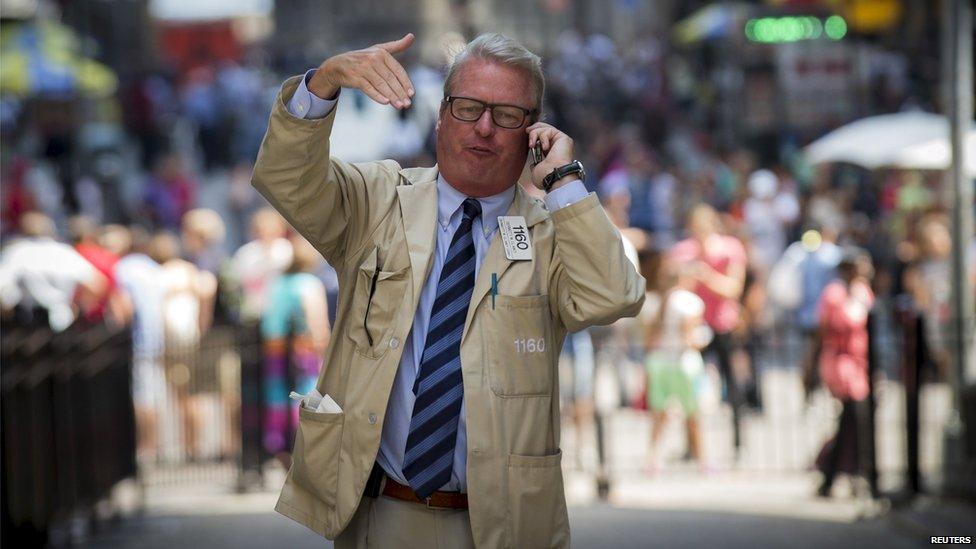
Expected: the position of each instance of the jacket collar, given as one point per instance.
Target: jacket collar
(418, 207)
(449, 201)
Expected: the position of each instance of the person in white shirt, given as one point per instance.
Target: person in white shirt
(259, 262)
(40, 274)
(140, 278)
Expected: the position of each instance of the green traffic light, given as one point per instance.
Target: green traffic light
(794, 29)
(751, 30)
(817, 28)
(773, 30)
(835, 27)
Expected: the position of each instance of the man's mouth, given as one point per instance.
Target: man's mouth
(480, 151)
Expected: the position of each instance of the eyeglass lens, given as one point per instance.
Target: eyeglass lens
(470, 110)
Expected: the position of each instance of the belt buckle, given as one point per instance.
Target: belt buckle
(433, 507)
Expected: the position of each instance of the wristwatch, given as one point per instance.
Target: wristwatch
(562, 171)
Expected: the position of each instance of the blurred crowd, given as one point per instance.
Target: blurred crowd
(174, 289)
(751, 263)
(753, 258)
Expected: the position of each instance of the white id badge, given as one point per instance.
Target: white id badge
(515, 237)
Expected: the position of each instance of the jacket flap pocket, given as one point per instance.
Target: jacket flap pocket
(392, 275)
(536, 502)
(319, 417)
(368, 265)
(515, 460)
(522, 301)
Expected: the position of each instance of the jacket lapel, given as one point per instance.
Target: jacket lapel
(495, 260)
(418, 207)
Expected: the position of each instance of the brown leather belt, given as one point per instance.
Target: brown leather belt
(437, 500)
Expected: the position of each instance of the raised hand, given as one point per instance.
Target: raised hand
(372, 70)
(558, 148)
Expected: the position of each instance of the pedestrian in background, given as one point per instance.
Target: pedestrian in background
(169, 192)
(719, 267)
(258, 263)
(928, 281)
(187, 315)
(140, 277)
(844, 309)
(45, 282)
(111, 305)
(202, 233)
(796, 283)
(675, 334)
(295, 331)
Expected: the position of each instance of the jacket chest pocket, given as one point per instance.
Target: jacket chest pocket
(378, 297)
(518, 340)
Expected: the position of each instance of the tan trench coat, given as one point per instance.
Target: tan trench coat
(374, 222)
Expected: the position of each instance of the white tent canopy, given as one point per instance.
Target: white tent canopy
(903, 140)
(936, 154)
(207, 10)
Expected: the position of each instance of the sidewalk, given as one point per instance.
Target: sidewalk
(929, 517)
(760, 499)
(678, 509)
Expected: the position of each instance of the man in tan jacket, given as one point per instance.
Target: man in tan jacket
(457, 290)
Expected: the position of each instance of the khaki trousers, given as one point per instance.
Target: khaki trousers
(386, 522)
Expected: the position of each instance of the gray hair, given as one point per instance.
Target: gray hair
(501, 49)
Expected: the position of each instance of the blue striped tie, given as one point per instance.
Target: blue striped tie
(429, 457)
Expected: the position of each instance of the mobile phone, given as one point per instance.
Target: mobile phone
(537, 154)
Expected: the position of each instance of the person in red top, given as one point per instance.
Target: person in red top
(719, 266)
(844, 308)
(84, 233)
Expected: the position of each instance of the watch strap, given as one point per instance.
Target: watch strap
(562, 171)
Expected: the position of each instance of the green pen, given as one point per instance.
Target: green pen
(494, 288)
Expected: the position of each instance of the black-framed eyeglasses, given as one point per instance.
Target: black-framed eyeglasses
(509, 117)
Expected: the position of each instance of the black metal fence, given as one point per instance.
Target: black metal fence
(68, 426)
(905, 425)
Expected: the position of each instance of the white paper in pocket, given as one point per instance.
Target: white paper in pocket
(315, 401)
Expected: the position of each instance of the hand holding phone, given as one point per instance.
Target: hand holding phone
(537, 154)
(549, 149)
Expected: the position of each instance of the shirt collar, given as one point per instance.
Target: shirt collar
(449, 202)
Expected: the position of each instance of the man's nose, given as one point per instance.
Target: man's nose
(484, 126)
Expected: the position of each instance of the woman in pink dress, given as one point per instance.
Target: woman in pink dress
(844, 307)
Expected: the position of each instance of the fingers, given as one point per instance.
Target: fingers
(556, 145)
(375, 72)
(544, 133)
(400, 73)
(372, 92)
(389, 77)
(387, 84)
(397, 46)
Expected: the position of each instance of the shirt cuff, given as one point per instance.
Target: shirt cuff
(568, 194)
(307, 105)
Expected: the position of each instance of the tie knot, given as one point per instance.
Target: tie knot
(472, 208)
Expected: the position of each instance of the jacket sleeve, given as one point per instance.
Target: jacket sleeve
(335, 205)
(591, 278)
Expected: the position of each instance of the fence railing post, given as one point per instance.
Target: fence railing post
(869, 455)
(913, 352)
(252, 455)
